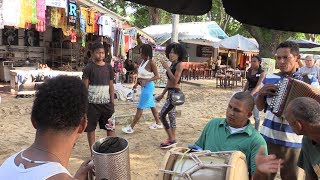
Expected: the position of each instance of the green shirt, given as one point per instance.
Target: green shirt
(216, 136)
(309, 158)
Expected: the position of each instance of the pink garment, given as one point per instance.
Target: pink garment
(41, 10)
(127, 43)
(41, 26)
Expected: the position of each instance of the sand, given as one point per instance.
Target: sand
(202, 104)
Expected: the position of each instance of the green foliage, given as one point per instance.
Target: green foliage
(140, 17)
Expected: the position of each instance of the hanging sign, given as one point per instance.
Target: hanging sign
(72, 13)
(57, 3)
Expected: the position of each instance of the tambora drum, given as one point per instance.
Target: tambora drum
(180, 164)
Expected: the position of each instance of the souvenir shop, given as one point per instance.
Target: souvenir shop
(57, 35)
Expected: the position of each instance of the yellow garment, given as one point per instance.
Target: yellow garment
(63, 22)
(90, 21)
(54, 17)
(25, 13)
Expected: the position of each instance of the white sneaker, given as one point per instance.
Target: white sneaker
(128, 130)
(155, 126)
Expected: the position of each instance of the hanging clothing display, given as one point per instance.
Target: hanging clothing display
(41, 10)
(96, 20)
(83, 23)
(41, 26)
(63, 22)
(127, 40)
(73, 36)
(90, 21)
(105, 26)
(54, 17)
(23, 13)
(133, 33)
(28, 25)
(11, 12)
(34, 19)
(1, 15)
(72, 13)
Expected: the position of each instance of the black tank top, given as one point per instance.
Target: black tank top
(253, 78)
(173, 70)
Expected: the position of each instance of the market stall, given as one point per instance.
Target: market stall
(59, 33)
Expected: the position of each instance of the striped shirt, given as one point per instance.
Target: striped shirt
(274, 129)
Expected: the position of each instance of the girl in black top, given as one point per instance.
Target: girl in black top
(175, 52)
(255, 76)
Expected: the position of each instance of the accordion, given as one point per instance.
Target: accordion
(289, 89)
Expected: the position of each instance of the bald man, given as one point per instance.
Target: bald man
(303, 115)
(310, 68)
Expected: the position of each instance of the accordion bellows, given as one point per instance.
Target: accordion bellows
(289, 89)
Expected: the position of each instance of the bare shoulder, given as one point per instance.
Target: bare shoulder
(61, 176)
(152, 63)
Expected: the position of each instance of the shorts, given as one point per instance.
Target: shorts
(101, 113)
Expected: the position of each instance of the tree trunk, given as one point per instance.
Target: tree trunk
(209, 16)
(154, 15)
(267, 39)
(226, 21)
(311, 37)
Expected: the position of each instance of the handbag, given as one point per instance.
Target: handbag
(177, 98)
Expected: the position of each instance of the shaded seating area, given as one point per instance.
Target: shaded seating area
(196, 70)
(230, 78)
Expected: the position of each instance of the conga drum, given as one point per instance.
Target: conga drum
(179, 164)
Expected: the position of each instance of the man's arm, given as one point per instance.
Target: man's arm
(246, 86)
(260, 102)
(257, 143)
(257, 88)
(111, 91)
(85, 76)
(111, 86)
(306, 165)
(268, 89)
(86, 83)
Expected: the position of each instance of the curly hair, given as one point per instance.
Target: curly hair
(177, 49)
(96, 46)
(60, 104)
(294, 47)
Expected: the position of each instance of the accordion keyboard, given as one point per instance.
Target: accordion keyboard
(281, 95)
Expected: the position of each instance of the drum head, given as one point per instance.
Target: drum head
(182, 163)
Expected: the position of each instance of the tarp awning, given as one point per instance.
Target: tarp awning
(206, 31)
(238, 42)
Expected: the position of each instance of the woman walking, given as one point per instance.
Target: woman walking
(176, 53)
(147, 73)
(255, 76)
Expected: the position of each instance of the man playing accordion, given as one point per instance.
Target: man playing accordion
(281, 139)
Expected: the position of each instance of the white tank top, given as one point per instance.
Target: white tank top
(143, 73)
(9, 170)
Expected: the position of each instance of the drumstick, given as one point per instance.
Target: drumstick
(279, 165)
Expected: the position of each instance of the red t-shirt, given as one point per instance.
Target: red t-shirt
(96, 25)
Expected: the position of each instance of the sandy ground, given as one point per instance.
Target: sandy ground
(202, 104)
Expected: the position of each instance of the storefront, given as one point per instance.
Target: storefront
(57, 34)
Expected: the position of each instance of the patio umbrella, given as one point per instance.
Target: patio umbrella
(286, 15)
(238, 42)
(316, 49)
(305, 43)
